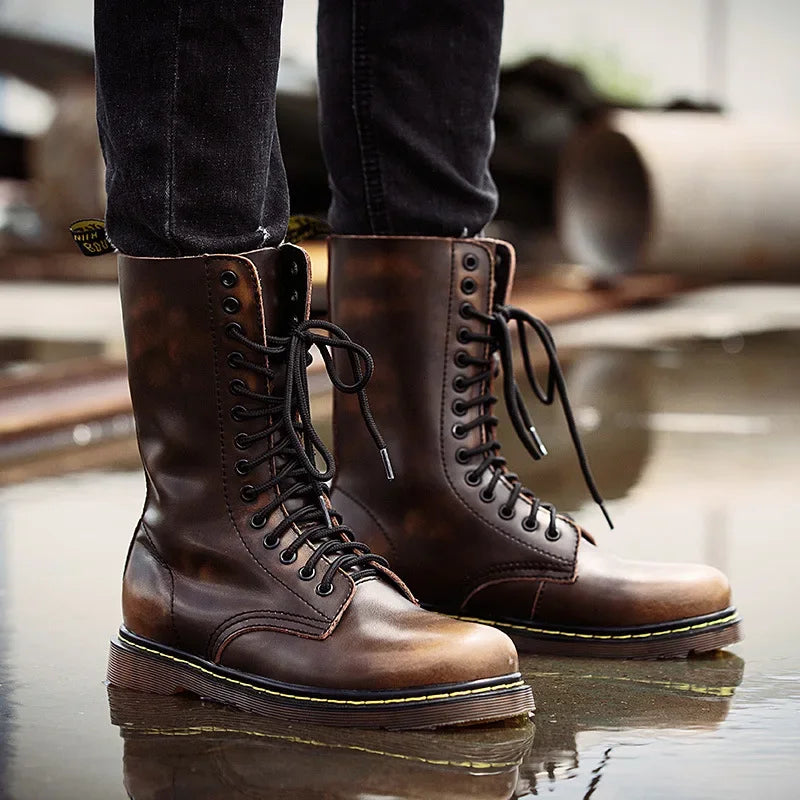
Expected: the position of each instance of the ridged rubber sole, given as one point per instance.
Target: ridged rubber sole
(137, 664)
(678, 639)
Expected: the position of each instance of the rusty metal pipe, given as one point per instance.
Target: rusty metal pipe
(683, 191)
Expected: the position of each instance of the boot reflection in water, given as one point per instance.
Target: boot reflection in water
(243, 584)
(664, 698)
(185, 749)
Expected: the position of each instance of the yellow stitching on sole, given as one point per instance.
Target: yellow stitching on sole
(600, 637)
(461, 693)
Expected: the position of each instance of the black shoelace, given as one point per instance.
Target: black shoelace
(291, 435)
(499, 340)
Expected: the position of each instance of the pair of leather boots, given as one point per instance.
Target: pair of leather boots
(251, 583)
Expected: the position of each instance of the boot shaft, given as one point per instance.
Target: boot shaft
(196, 547)
(421, 306)
(407, 299)
(177, 316)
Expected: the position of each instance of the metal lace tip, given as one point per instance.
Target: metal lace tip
(538, 440)
(607, 516)
(324, 507)
(387, 463)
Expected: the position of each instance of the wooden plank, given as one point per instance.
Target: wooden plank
(57, 266)
(556, 303)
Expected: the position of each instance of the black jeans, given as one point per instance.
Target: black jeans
(186, 113)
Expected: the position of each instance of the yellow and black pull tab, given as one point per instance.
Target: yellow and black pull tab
(91, 238)
(302, 228)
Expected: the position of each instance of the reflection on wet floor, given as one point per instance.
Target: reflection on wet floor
(199, 750)
(182, 748)
(695, 444)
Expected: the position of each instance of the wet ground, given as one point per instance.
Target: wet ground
(693, 431)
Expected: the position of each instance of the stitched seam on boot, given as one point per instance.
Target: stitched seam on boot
(536, 598)
(160, 560)
(222, 630)
(513, 684)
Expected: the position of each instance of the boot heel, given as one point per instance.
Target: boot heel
(131, 670)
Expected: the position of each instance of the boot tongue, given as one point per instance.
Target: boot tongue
(285, 277)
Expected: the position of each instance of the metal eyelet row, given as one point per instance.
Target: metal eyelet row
(270, 542)
(471, 478)
(248, 493)
(228, 278)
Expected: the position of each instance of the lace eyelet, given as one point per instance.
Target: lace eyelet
(552, 535)
(294, 296)
(233, 328)
(230, 305)
(458, 407)
(228, 278)
(461, 359)
(472, 479)
(465, 310)
(463, 335)
(270, 541)
(468, 286)
(240, 441)
(306, 574)
(470, 261)
(287, 557)
(248, 493)
(458, 431)
(242, 466)
(528, 525)
(235, 359)
(258, 521)
(504, 512)
(324, 590)
(461, 456)
(294, 269)
(459, 383)
(485, 495)
(237, 413)
(236, 386)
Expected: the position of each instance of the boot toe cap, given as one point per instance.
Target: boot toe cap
(468, 651)
(616, 593)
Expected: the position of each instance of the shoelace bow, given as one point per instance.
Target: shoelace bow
(292, 435)
(499, 340)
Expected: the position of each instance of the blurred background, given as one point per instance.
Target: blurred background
(648, 159)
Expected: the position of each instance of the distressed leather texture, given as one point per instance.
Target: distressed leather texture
(198, 577)
(401, 298)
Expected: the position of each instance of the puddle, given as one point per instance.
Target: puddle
(695, 446)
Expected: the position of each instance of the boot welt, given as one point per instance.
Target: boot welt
(141, 665)
(677, 639)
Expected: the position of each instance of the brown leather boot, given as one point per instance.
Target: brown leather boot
(241, 583)
(461, 530)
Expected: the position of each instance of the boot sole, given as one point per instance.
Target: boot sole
(677, 639)
(141, 665)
